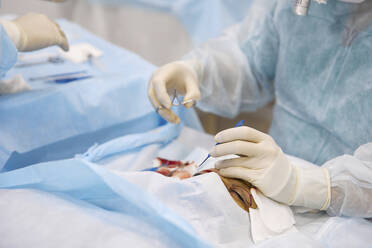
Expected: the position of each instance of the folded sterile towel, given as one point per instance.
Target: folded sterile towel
(268, 217)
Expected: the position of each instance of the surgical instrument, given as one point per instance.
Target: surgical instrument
(51, 60)
(70, 79)
(59, 76)
(239, 124)
(176, 101)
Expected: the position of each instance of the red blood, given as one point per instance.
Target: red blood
(167, 162)
(164, 171)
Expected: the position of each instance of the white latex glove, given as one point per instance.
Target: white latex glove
(262, 163)
(182, 76)
(35, 31)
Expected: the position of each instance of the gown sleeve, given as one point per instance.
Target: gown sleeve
(239, 67)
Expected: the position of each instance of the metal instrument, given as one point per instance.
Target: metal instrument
(239, 124)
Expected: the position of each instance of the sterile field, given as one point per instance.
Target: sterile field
(185, 123)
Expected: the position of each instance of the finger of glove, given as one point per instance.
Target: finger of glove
(62, 39)
(238, 147)
(192, 93)
(28, 17)
(245, 162)
(159, 82)
(240, 173)
(167, 114)
(240, 133)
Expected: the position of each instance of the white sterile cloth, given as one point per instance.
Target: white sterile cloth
(207, 205)
(81, 52)
(13, 85)
(270, 218)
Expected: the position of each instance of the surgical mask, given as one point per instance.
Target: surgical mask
(301, 7)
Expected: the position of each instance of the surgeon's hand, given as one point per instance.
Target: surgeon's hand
(262, 163)
(35, 31)
(182, 76)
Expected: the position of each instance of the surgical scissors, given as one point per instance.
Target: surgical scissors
(176, 101)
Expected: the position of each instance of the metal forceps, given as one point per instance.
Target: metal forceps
(176, 101)
(239, 124)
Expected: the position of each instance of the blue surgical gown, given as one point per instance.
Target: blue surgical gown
(8, 52)
(317, 68)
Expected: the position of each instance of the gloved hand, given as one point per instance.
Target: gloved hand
(262, 163)
(35, 31)
(182, 76)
